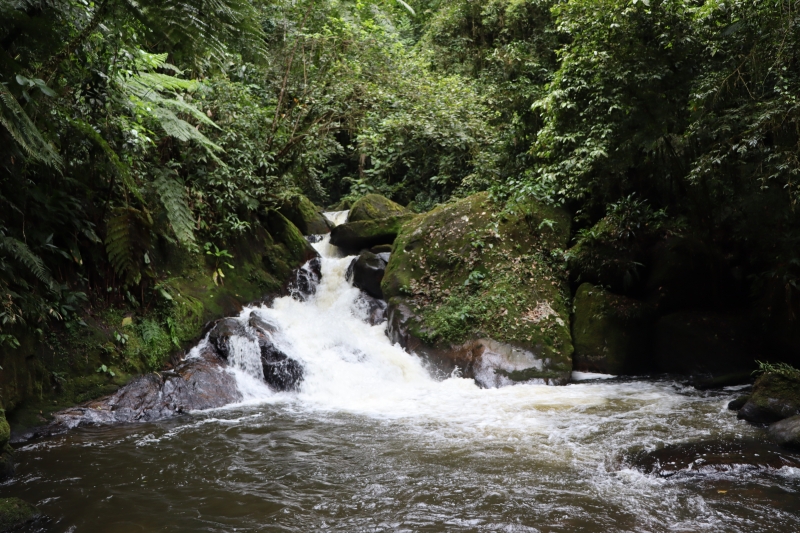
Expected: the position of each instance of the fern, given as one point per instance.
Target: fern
(173, 197)
(24, 131)
(126, 242)
(20, 251)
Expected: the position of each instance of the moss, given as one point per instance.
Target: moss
(368, 233)
(306, 216)
(15, 513)
(475, 268)
(373, 207)
(5, 430)
(610, 332)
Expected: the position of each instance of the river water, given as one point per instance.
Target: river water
(373, 443)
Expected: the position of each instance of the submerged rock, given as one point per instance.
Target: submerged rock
(786, 432)
(305, 280)
(611, 333)
(374, 309)
(281, 372)
(15, 513)
(368, 233)
(373, 207)
(366, 272)
(713, 457)
(474, 284)
(774, 398)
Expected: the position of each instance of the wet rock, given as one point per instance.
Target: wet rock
(198, 383)
(374, 309)
(368, 233)
(704, 344)
(15, 513)
(381, 249)
(611, 333)
(366, 272)
(305, 215)
(306, 278)
(738, 403)
(713, 457)
(373, 207)
(220, 335)
(786, 432)
(281, 372)
(774, 398)
(470, 285)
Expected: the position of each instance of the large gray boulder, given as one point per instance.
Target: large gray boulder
(786, 432)
(366, 272)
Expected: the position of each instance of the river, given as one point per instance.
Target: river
(371, 442)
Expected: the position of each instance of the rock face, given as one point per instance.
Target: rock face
(368, 233)
(305, 215)
(15, 513)
(474, 285)
(366, 272)
(786, 432)
(374, 207)
(610, 332)
(774, 398)
(280, 371)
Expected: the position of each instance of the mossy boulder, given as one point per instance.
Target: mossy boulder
(373, 207)
(353, 236)
(611, 333)
(714, 348)
(774, 397)
(6, 452)
(481, 286)
(306, 216)
(15, 513)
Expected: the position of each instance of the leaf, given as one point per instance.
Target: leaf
(408, 7)
(24, 132)
(172, 194)
(126, 236)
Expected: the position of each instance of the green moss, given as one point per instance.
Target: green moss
(475, 268)
(5, 430)
(306, 216)
(771, 389)
(373, 207)
(15, 513)
(368, 233)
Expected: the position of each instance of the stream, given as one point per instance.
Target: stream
(371, 442)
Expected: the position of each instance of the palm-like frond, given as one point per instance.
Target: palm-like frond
(126, 242)
(23, 254)
(173, 196)
(24, 131)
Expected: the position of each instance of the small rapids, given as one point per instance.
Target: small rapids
(372, 442)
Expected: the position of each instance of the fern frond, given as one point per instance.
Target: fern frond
(173, 197)
(126, 241)
(20, 251)
(24, 131)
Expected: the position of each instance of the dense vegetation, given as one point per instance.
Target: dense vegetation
(128, 124)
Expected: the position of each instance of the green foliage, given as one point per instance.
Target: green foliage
(780, 369)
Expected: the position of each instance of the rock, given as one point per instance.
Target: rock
(366, 272)
(305, 215)
(374, 309)
(472, 284)
(373, 207)
(198, 383)
(700, 458)
(611, 333)
(774, 398)
(381, 248)
(220, 336)
(305, 281)
(786, 432)
(280, 371)
(738, 403)
(295, 246)
(15, 513)
(368, 233)
(705, 345)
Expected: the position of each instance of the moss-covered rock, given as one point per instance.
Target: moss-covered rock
(373, 207)
(611, 333)
(368, 233)
(774, 397)
(705, 345)
(482, 286)
(15, 513)
(305, 215)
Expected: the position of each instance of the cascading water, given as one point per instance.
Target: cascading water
(371, 442)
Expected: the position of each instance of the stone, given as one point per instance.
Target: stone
(368, 233)
(704, 345)
(774, 398)
(472, 288)
(786, 432)
(381, 248)
(373, 309)
(15, 513)
(305, 280)
(366, 272)
(220, 335)
(611, 333)
(280, 371)
(738, 403)
(305, 215)
(373, 207)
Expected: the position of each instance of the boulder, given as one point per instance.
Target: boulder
(373, 309)
(15, 513)
(774, 397)
(366, 272)
(220, 335)
(280, 371)
(6, 452)
(374, 207)
(786, 432)
(368, 233)
(474, 284)
(305, 280)
(381, 249)
(305, 215)
(296, 249)
(712, 347)
(611, 333)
